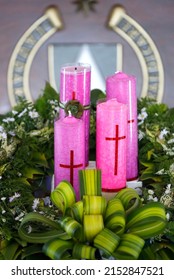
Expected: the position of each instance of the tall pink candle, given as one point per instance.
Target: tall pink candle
(69, 150)
(75, 84)
(111, 132)
(123, 87)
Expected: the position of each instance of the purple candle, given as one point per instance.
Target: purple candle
(111, 132)
(75, 83)
(123, 87)
(69, 150)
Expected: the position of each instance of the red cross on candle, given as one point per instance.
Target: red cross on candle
(116, 139)
(71, 166)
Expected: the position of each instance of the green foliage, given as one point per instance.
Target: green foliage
(26, 166)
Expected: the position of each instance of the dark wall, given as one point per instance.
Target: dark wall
(155, 16)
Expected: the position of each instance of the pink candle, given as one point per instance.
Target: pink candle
(69, 150)
(75, 83)
(123, 87)
(111, 132)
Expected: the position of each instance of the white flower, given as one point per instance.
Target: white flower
(168, 216)
(33, 114)
(29, 229)
(155, 199)
(16, 195)
(0, 177)
(171, 141)
(150, 192)
(14, 112)
(3, 198)
(35, 203)
(11, 133)
(163, 133)
(7, 120)
(142, 116)
(150, 197)
(141, 135)
(1, 128)
(3, 211)
(171, 168)
(161, 172)
(3, 135)
(22, 113)
(19, 217)
(47, 201)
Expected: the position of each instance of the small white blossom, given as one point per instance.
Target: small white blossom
(141, 135)
(0, 177)
(3, 198)
(168, 216)
(47, 201)
(35, 203)
(33, 114)
(11, 133)
(16, 195)
(3, 135)
(161, 172)
(150, 197)
(22, 113)
(155, 199)
(19, 217)
(142, 116)
(150, 192)
(29, 229)
(171, 168)
(3, 211)
(171, 141)
(7, 120)
(14, 112)
(168, 189)
(163, 133)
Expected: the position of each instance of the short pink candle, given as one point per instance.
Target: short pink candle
(69, 150)
(111, 133)
(123, 87)
(75, 84)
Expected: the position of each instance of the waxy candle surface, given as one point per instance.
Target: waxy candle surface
(123, 87)
(69, 150)
(111, 133)
(75, 83)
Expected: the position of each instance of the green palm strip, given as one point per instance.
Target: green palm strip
(63, 196)
(83, 251)
(130, 199)
(115, 216)
(94, 221)
(107, 241)
(130, 247)
(94, 204)
(40, 237)
(147, 221)
(90, 182)
(57, 249)
(92, 224)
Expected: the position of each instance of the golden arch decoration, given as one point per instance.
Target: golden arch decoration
(25, 51)
(28, 45)
(145, 50)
